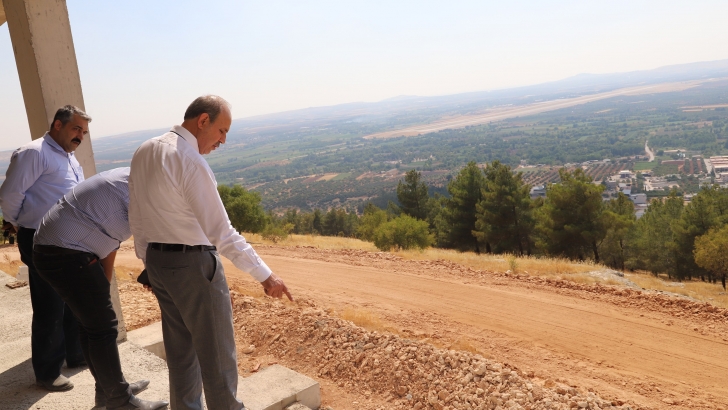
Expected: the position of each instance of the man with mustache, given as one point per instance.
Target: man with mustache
(40, 173)
(179, 224)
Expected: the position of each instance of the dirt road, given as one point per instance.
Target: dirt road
(632, 351)
(649, 152)
(588, 342)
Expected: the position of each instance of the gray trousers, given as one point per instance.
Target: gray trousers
(197, 325)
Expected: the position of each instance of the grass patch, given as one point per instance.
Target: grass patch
(664, 169)
(341, 176)
(318, 241)
(702, 291)
(643, 166)
(531, 265)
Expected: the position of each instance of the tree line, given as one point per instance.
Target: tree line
(489, 210)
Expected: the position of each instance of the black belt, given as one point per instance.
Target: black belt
(56, 250)
(177, 247)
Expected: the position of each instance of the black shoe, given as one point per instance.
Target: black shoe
(60, 383)
(136, 387)
(136, 403)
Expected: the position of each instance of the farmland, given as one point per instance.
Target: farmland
(303, 161)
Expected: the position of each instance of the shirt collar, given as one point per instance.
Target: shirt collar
(53, 144)
(186, 135)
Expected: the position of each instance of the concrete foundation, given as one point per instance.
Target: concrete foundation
(17, 381)
(150, 338)
(277, 387)
(273, 388)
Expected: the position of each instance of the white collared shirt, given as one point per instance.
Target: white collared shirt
(173, 198)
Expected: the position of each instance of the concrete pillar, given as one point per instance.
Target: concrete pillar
(46, 59)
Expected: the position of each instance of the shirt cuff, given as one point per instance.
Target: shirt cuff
(260, 272)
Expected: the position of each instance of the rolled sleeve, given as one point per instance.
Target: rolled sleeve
(200, 191)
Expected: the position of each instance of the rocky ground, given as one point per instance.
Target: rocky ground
(420, 359)
(376, 370)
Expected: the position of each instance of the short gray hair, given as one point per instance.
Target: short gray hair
(66, 113)
(207, 104)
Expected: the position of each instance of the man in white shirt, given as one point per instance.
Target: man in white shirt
(179, 224)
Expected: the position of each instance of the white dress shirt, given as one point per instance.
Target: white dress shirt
(40, 173)
(173, 198)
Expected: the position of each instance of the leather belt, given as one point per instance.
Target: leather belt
(178, 247)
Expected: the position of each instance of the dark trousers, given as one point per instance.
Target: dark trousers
(79, 278)
(54, 331)
(197, 324)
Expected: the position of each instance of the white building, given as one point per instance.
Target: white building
(719, 164)
(638, 199)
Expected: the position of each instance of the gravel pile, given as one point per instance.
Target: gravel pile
(139, 306)
(407, 373)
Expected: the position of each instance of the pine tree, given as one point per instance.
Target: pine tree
(708, 209)
(504, 220)
(456, 222)
(619, 216)
(571, 222)
(412, 195)
(316, 223)
(652, 242)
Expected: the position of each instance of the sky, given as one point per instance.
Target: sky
(143, 62)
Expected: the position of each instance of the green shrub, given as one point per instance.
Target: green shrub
(403, 232)
(277, 233)
(370, 222)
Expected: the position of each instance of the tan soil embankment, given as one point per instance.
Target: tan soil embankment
(647, 349)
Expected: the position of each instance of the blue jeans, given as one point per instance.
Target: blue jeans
(54, 331)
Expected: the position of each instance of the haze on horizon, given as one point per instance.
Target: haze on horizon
(141, 63)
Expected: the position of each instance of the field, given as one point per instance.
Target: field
(643, 166)
(499, 114)
(279, 155)
(601, 172)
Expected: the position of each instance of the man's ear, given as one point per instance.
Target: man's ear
(57, 125)
(203, 120)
